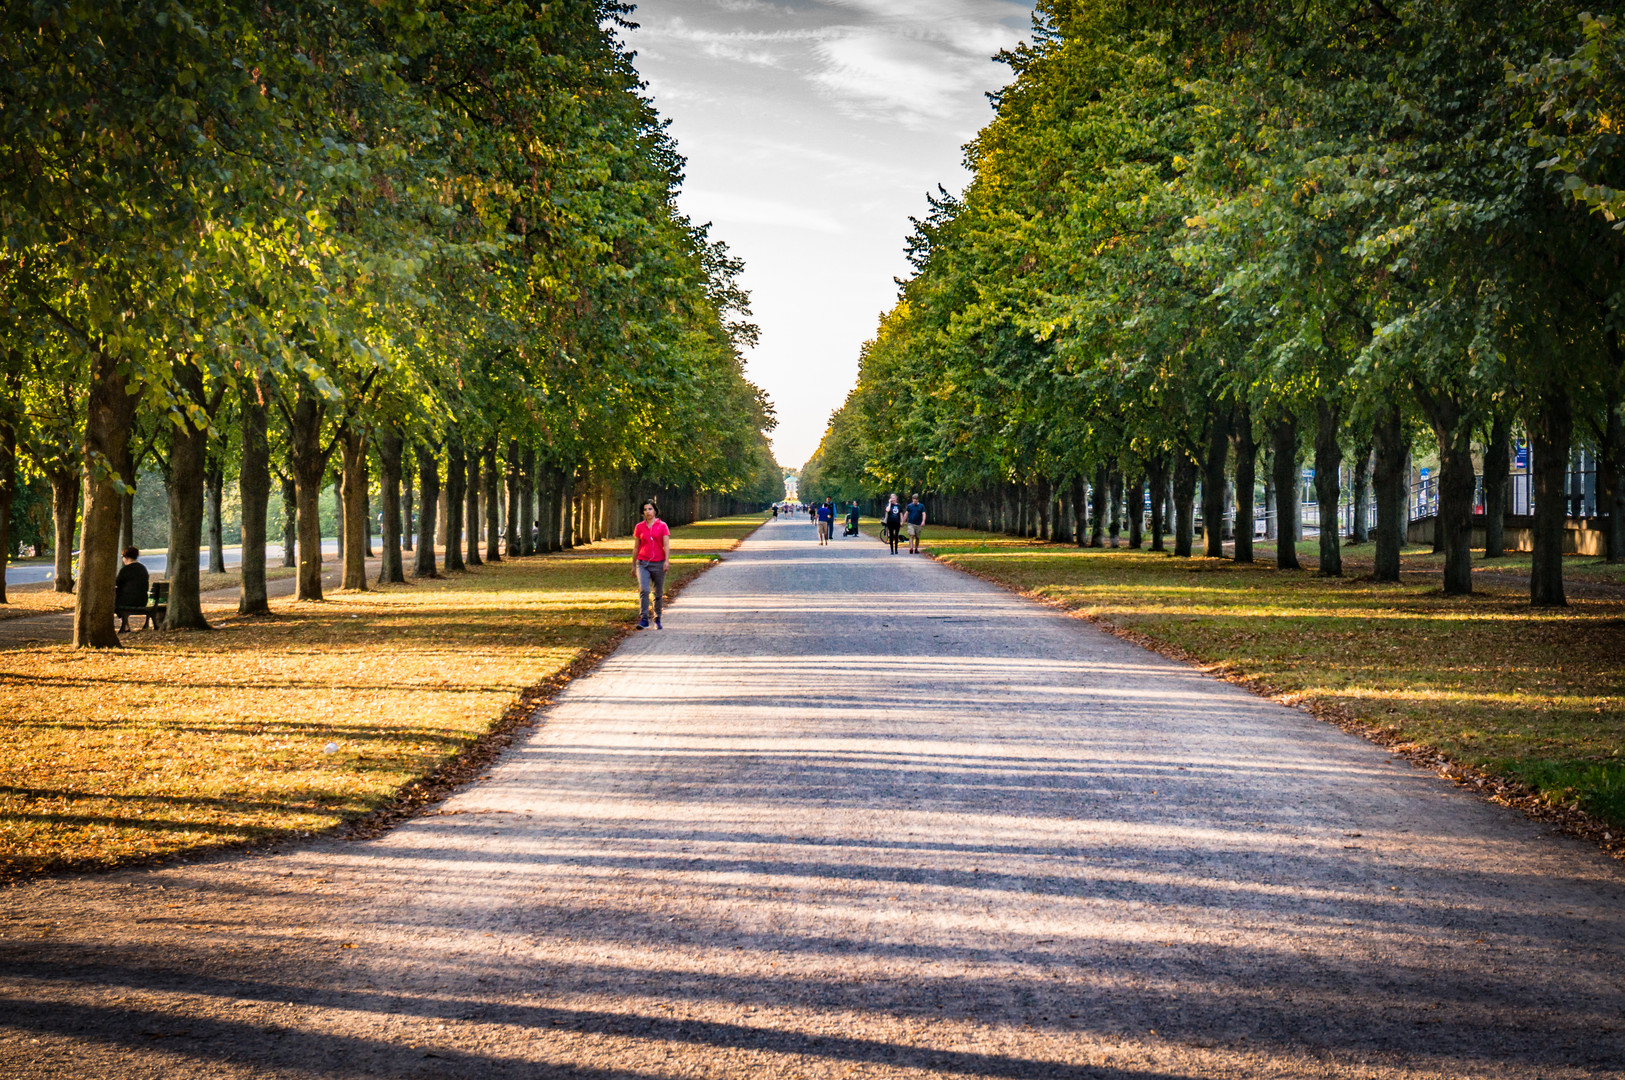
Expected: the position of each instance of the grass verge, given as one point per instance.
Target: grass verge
(1525, 704)
(320, 714)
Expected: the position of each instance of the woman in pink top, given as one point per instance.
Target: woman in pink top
(651, 552)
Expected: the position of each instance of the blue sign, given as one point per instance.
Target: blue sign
(1520, 459)
(1424, 472)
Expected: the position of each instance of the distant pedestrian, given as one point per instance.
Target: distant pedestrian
(826, 520)
(852, 519)
(651, 555)
(130, 588)
(891, 520)
(914, 515)
(775, 511)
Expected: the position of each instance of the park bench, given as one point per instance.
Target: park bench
(157, 605)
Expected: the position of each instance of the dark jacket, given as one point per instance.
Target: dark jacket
(130, 589)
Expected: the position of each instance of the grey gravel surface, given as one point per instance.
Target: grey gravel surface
(858, 815)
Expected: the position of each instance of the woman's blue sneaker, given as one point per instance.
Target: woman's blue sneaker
(657, 622)
(643, 624)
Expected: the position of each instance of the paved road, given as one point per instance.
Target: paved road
(156, 562)
(857, 815)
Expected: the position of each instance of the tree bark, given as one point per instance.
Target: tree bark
(1611, 479)
(109, 414)
(456, 483)
(64, 517)
(353, 489)
(1497, 473)
(188, 461)
(1452, 525)
(214, 480)
(1245, 449)
(1550, 437)
(309, 464)
(1157, 469)
(1361, 530)
(290, 522)
(390, 446)
(1185, 473)
(338, 514)
(471, 509)
(1115, 485)
(1328, 487)
(1136, 512)
(8, 488)
(493, 504)
(518, 530)
(1080, 512)
(126, 518)
(1284, 442)
(1388, 476)
(254, 487)
(428, 505)
(1213, 474)
(1098, 493)
(567, 501)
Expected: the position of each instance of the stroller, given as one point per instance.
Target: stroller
(851, 527)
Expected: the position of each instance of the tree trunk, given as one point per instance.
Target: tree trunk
(1080, 512)
(1097, 508)
(290, 522)
(214, 479)
(8, 489)
(1115, 484)
(1185, 472)
(1136, 512)
(1246, 451)
(126, 517)
(409, 520)
(353, 488)
(1284, 442)
(1271, 518)
(254, 488)
(1452, 525)
(64, 517)
(1611, 481)
(471, 510)
(1328, 465)
(109, 414)
(390, 446)
(567, 504)
(1550, 437)
(456, 483)
(1213, 474)
(309, 463)
(1497, 473)
(338, 515)
(1044, 499)
(428, 503)
(1388, 477)
(188, 461)
(1361, 530)
(493, 504)
(1157, 469)
(518, 530)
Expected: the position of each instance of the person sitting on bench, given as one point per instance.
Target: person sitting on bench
(130, 590)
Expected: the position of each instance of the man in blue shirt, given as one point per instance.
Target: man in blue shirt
(826, 519)
(914, 515)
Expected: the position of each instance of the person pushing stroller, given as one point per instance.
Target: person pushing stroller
(852, 520)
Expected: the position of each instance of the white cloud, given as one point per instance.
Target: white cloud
(906, 80)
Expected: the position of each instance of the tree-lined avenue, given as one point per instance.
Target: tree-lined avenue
(856, 814)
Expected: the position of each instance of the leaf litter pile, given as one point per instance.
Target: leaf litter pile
(266, 728)
(1484, 688)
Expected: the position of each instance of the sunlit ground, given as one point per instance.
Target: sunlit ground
(1535, 694)
(192, 740)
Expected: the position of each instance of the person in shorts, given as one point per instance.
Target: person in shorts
(651, 555)
(826, 520)
(914, 517)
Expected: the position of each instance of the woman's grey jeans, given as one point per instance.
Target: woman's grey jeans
(651, 573)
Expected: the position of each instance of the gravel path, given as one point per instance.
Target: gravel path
(859, 815)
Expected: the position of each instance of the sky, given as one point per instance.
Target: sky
(813, 130)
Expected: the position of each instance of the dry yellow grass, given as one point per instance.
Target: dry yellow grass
(266, 727)
(23, 601)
